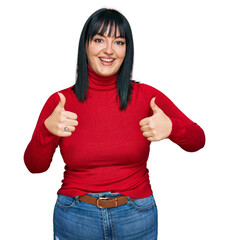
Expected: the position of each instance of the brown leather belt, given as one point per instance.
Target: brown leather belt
(105, 202)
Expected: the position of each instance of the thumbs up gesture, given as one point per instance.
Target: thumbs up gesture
(156, 127)
(61, 123)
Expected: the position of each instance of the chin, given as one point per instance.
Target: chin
(106, 72)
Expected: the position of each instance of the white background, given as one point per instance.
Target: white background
(181, 48)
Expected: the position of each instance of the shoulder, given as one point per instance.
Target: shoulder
(54, 97)
(147, 92)
(145, 88)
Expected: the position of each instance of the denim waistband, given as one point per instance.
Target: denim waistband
(104, 194)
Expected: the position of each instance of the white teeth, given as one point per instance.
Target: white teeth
(107, 60)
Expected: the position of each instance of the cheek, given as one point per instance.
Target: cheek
(92, 51)
(121, 53)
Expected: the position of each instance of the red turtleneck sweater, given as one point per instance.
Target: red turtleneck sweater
(107, 151)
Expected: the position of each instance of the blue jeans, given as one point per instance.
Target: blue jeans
(77, 220)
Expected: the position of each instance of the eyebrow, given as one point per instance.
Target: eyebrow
(100, 34)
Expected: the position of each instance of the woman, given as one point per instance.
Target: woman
(104, 125)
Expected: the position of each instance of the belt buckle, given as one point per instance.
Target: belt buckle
(97, 201)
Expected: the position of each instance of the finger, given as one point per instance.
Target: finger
(152, 139)
(154, 106)
(70, 115)
(62, 100)
(67, 131)
(66, 134)
(70, 129)
(144, 121)
(70, 122)
(147, 134)
(145, 128)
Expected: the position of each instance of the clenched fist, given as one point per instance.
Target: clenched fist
(156, 127)
(61, 123)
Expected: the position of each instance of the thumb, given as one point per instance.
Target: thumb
(62, 100)
(153, 105)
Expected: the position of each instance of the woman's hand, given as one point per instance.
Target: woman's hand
(158, 126)
(59, 119)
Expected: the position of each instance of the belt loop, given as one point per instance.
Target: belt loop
(77, 199)
(129, 200)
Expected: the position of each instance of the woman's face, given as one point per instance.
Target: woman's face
(105, 54)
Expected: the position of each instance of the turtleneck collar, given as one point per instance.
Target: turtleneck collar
(99, 82)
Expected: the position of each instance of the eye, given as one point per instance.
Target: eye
(120, 42)
(98, 40)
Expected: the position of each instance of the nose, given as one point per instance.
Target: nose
(108, 48)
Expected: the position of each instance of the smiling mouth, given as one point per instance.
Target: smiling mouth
(108, 60)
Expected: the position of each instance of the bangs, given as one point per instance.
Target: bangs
(106, 20)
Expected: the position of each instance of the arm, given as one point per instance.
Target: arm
(39, 152)
(184, 132)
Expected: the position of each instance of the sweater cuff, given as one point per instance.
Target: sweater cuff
(45, 136)
(178, 130)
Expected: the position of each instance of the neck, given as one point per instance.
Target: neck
(99, 82)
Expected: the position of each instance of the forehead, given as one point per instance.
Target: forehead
(105, 28)
(109, 31)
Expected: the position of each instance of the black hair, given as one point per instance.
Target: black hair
(97, 23)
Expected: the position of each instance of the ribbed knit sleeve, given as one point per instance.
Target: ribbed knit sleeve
(39, 152)
(186, 133)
